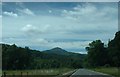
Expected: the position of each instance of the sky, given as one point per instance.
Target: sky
(68, 25)
(60, 0)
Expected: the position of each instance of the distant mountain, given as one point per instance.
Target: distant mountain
(57, 50)
(60, 51)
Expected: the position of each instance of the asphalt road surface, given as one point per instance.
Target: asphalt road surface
(88, 73)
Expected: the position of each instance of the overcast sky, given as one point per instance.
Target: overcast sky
(60, 0)
(71, 26)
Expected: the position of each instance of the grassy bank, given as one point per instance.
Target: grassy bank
(108, 70)
(59, 71)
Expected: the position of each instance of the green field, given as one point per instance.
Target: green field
(59, 71)
(110, 70)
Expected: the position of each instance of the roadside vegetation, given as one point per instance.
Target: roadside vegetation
(108, 70)
(18, 58)
(54, 72)
(104, 58)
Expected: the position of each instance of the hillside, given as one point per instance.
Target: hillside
(63, 53)
(59, 51)
(16, 58)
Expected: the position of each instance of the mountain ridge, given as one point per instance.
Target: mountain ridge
(59, 51)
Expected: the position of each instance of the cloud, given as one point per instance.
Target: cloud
(50, 11)
(89, 10)
(45, 27)
(81, 52)
(63, 44)
(40, 41)
(78, 26)
(26, 11)
(30, 29)
(34, 30)
(71, 44)
(91, 19)
(10, 14)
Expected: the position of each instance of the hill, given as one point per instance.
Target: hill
(59, 51)
(17, 58)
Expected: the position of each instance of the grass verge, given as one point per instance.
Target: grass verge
(114, 71)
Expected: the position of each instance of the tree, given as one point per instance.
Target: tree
(15, 57)
(96, 54)
(114, 50)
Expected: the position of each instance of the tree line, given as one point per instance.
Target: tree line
(100, 54)
(18, 58)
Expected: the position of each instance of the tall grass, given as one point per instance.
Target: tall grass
(59, 71)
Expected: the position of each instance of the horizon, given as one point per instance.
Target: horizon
(70, 26)
(43, 50)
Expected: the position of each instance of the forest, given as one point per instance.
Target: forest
(98, 54)
(18, 58)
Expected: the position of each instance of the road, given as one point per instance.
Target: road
(88, 73)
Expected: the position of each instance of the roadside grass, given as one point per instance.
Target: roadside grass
(114, 71)
(58, 71)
